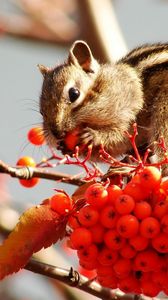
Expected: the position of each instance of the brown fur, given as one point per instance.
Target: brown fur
(135, 89)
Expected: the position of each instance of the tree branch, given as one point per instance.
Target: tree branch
(45, 173)
(74, 279)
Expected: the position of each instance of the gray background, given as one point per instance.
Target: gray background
(141, 21)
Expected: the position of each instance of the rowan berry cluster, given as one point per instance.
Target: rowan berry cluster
(123, 233)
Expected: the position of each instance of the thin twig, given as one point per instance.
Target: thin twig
(30, 172)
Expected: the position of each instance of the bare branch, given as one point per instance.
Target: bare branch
(74, 279)
(45, 173)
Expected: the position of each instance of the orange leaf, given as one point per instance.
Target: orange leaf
(38, 227)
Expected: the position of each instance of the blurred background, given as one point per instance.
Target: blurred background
(40, 32)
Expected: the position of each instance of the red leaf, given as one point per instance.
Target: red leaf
(38, 227)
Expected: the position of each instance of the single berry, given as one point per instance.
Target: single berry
(88, 254)
(160, 243)
(36, 136)
(160, 209)
(142, 210)
(88, 216)
(124, 204)
(96, 195)
(108, 216)
(81, 238)
(127, 251)
(146, 261)
(139, 242)
(150, 177)
(127, 226)
(150, 288)
(122, 267)
(61, 203)
(149, 227)
(134, 190)
(107, 257)
(71, 139)
(113, 240)
(129, 285)
(114, 191)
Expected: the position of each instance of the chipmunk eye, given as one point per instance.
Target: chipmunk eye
(74, 94)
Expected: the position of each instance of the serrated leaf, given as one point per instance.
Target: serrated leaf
(38, 227)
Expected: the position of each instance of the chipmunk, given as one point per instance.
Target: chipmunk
(104, 100)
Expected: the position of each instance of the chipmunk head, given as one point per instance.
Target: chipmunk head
(64, 90)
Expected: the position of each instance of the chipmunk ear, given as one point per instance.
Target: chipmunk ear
(80, 54)
(43, 70)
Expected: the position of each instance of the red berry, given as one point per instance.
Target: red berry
(97, 232)
(160, 243)
(127, 251)
(164, 223)
(87, 273)
(81, 238)
(71, 139)
(88, 265)
(114, 191)
(142, 210)
(88, 254)
(124, 204)
(139, 242)
(129, 285)
(164, 186)
(61, 203)
(108, 217)
(107, 257)
(149, 227)
(160, 209)
(113, 240)
(73, 221)
(88, 216)
(108, 281)
(36, 136)
(96, 195)
(150, 177)
(122, 267)
(146, 261)
(134, 190)
(127, 226)
(150, 288)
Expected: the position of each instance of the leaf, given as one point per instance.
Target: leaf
(38, 227)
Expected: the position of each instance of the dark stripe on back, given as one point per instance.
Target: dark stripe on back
(141, 53)
(153, 69)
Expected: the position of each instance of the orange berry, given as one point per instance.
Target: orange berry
(113, 240)
(150, 177)
(160, 243)
(81, 238)
(127, 226)
(88, 254)
(36, 136)
(146, 261)
(107, 257)
(142, 210)
(108, 216)
(114, 191)
(88, 216)
(71, 139)
(134, 190)
(139, 242)
(96, 195)
(149, 227)
(124, 204)
(122, 267)
(61, 203)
